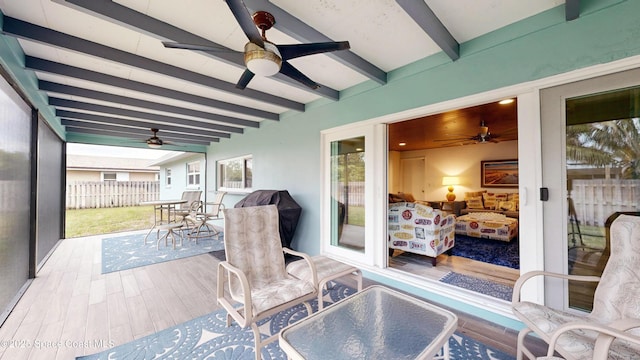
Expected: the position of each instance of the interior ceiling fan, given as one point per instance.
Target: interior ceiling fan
(262, 57)
(483, 136)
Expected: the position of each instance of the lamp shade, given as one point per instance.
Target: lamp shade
(450, 180)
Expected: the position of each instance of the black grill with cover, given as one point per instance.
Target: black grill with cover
(288, 210)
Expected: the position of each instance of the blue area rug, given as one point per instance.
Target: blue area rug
(489, 251)
(207, 337)
(126, 252)
(482, 286)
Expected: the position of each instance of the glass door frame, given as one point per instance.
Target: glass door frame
(375, 189)
(553, 124)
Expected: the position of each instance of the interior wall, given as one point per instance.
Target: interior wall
(461, 161)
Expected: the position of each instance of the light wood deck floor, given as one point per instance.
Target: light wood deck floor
(71, 309)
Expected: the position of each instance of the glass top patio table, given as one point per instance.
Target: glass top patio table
(374, 324)
(162, 206)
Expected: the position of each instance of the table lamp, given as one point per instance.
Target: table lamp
(450, 181)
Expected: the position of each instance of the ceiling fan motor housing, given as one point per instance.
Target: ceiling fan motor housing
(263, 62)
(263, 20)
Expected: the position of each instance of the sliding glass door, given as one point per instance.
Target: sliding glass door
(349, 203)
(591, 166)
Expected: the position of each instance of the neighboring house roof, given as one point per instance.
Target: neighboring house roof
(103, 163)
(173, 157)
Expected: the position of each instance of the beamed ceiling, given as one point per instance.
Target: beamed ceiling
(109, 79)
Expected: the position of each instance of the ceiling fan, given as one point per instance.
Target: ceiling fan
(262, 57)
(483, 136)
(155, 142)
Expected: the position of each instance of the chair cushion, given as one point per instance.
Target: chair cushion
(325, 267)
(577, 344)
(278, 293)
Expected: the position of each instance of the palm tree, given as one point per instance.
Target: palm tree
(614, 143)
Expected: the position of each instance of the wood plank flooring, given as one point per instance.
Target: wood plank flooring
(421, 265)
(71, 309)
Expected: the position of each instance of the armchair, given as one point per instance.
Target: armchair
(420, 229)
(616, 308)
(254, 272)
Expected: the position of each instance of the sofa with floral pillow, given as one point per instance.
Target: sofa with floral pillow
(506, 203)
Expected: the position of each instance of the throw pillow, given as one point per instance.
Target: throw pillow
(475, 203)
(515, 197)
(469, 195)
(489, 200)
(502, 197)
(507, 205)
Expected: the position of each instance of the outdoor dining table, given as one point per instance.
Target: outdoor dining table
(374, 324)
(160, 207)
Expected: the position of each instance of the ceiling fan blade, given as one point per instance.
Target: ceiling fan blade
(242, 15)
(247, 75)
(175, 45)
(458, 143)
(296, 50)
(295, 74)
(456, 139)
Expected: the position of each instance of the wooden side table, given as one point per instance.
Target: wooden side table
(454, 207)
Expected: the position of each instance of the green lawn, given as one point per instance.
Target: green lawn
(356, 215)
(86, 222)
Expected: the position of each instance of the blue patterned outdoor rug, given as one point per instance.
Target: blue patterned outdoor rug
(126, 252)
(490, 251)
(208, 337)
(482, 286)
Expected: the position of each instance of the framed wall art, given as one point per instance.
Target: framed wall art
(499, 173)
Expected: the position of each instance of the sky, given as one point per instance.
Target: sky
(115, 151)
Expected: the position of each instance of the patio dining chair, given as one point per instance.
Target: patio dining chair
(254, 273)
(612, 329)
(197, 223)
(192, 197)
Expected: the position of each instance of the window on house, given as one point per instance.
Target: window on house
(109, 176)
(167, 177)
(236, 173)
(193, 173)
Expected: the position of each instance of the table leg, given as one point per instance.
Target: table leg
(445, 352)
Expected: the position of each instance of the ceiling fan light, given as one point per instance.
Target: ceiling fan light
(484, 130)
(154, 145)
(262, 62)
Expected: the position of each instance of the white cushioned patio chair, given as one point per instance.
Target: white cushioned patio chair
(611, 330)
(254, 272)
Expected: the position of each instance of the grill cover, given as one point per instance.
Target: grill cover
(288, 210)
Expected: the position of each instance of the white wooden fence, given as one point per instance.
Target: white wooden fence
(595, 200)
(105, 194)
(354, 191)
